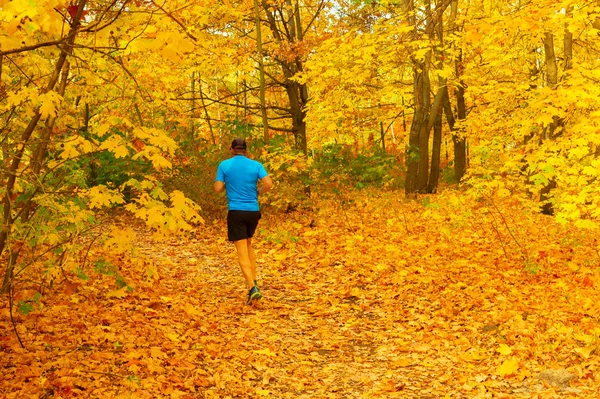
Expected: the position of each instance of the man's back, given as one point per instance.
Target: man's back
(240, 175)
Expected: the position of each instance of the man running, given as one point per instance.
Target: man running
(239, 176)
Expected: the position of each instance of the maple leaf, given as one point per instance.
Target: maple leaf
(120, 293)
(117, 145)
(586, 352)
(508, 367)
(102, 129)
(49, 104)
(504, 349)
(102, 196)
(267, 352)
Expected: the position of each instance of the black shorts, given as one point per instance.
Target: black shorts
(241, 224)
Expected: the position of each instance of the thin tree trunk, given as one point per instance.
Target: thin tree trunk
(568, 42)
(423, 171)
(261, 69)
(414, 150)
(551, 81)
(218, 108)
(458, 139)
(297, 93)
(139, 115)
(435, 114)
(551, 75)
(382, 135)
(193, 108)
(206, 115)
(436, 152)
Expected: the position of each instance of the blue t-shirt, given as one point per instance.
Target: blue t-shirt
(240, 175)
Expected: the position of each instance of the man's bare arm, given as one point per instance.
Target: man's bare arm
(266, 184)
(219, 186)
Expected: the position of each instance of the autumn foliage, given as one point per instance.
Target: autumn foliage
(431, 232)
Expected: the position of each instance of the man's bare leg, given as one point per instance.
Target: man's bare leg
(252, 258)
(241, 247)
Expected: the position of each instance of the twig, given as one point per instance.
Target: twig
(523, 254)
(10, 309)
(405, 219)
(499, 235)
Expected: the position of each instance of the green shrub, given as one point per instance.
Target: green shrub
(337, 163)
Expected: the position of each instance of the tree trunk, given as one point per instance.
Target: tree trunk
(297, 93)
(458, 138)
(261, 70)
(426, 113)
(436, 152)
(568, 42)
(193, 108)
(423, 170)
(382, 135)
(294, 90)
(417, 127)
(549, 132)
(551, 76)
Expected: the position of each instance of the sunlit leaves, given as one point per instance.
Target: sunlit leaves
(102, 196)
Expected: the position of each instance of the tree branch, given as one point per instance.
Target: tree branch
(176, 21)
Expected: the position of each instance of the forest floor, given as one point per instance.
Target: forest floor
(369, 297)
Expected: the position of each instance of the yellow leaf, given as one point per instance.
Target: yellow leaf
(120, 293)
(266, 352)
(509, 367)
(263, 392)
(586, 352)
(49, 104)
(280, 256)
(544, 119)
(156, 353)
(101, 196)
(172, 336)
(102, 129)
(504, 349)
(191, 310)
(473, 356)
(503, 193)
(403, 362)
(151, 272)
(116, 145)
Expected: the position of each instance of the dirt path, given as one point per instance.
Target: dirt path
(353, 308)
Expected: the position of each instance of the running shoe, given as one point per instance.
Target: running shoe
(253, 294)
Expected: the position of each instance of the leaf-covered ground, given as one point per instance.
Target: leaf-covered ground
(365, 297)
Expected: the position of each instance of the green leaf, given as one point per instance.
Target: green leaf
(81, 274)
(25, 307)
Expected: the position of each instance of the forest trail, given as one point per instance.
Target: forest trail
(357, 303)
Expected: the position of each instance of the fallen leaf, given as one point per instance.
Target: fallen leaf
(508, 368)
(266, 352)
(586, 352)
(120, 293)
(504, 349)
